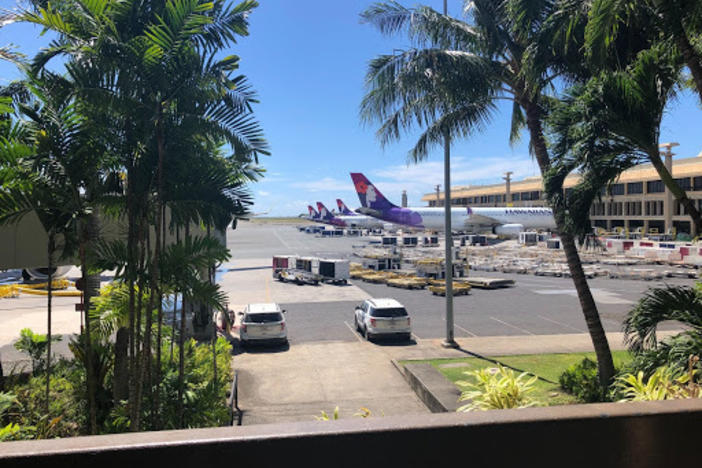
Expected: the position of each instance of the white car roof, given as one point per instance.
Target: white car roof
(385, 303)
(262, 307)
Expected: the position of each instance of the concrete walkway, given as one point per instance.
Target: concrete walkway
(296, 384)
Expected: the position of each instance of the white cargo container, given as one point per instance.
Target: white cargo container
(333, 270)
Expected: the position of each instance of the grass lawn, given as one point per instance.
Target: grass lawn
(546, 366)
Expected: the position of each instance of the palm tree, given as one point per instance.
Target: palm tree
(33, 179)
(451, 82)
(57, 116)
(662, 29)
(674, 24)
(148, 72)
(608, 125)
(681, 304)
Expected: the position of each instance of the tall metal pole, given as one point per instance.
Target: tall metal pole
(449, 342)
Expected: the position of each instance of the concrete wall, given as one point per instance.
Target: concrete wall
(640, 435)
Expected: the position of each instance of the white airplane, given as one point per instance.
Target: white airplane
(503, 221)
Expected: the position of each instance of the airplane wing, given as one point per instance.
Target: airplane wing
(481, 220)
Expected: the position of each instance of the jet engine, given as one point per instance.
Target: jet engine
(42, 273)
(512, 230)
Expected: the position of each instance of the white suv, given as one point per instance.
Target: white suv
(382, 317)
(262, 323)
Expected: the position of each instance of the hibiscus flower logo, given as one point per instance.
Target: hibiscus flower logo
(361, 187)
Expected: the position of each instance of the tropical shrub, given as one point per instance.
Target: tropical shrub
(496, 388)
(35, 345)
(582, 381)
(204, 398)
(66, 405)
(666, 383)
(671, 303)
(11, 430)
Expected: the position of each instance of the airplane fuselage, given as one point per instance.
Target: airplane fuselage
(466, 218)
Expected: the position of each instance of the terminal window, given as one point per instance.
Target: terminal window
(617, 189)
(634, 187)
(684, 183)
(655, 186)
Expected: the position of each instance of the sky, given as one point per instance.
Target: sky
(307, 60)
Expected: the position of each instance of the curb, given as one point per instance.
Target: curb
(436, 392)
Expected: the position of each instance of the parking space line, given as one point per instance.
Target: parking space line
(416, 337)
(353, 332)
(282, 241)
(562, 324)
(464, 330)
(512, 326)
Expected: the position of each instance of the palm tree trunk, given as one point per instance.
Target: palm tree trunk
(181, 355)
(211, 274)
(692, 60)
(675, 189)
(136, 376)
(181, 364)
(156, 259)
(50, 252)
(90, 370)
(132, 268)
(592, 317)
(605, 364)
(120, 384)
(159, 332)
(175, 304)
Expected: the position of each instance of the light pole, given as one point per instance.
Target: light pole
(668, 200)
(449, 342)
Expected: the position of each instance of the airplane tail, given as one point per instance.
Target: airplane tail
(343, 209)
(313, 213)
(370, 196)
(324, 213)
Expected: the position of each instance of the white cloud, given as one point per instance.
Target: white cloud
(326, 184)
(420, 179)
(263, 193)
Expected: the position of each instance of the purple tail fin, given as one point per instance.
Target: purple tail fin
(312, 212)
(324, 213)
(343, 209)
(369, 196)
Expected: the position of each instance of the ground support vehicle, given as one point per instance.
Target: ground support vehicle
(459, 289)
(377, 318)
(333, 271)
(263, 323)
(300, 277)
(294, 269)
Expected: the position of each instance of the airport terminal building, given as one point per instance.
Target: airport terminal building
(637, 201)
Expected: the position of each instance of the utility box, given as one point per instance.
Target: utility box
(430, 241)
(528, 238)
(553, 244)
(334, 270)
(309, 264)
(389, 240)
(476, 239)
(409, 241)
